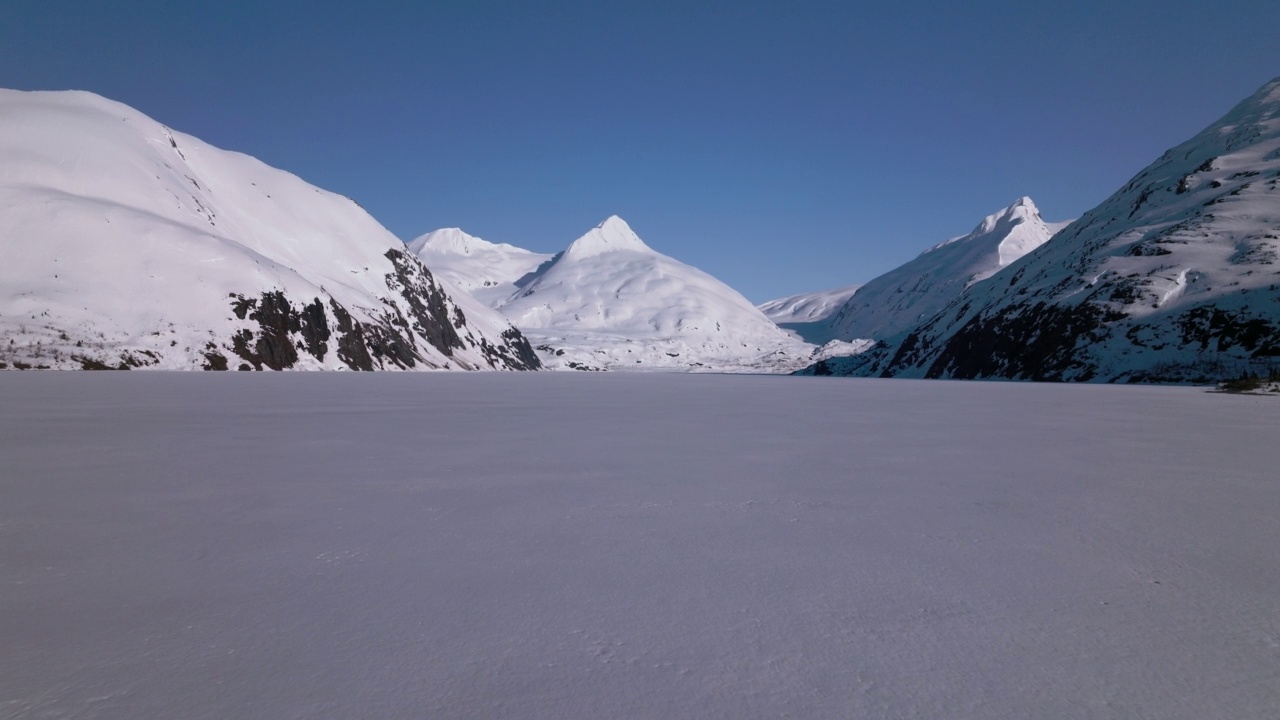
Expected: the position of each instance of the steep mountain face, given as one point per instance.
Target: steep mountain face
(913, 292)
(1176, 277)
(126, 244)
(609, 301)
(491, 272)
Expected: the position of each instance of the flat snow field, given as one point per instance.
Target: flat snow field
(235, 545)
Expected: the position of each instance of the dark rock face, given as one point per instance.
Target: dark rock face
(822, 369)
(315, 329)
(1028, 343)
(91, 364)
(420, 315)
(427, 302)
(283, 330)
(351, 343)
(215, 361)
(1220, 330)
(386, 345)
(525, 358)
(515, 353)
(277, 320)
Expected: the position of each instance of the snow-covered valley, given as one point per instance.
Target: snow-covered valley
(551, 545)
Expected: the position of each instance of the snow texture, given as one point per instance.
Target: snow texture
(610, 302)
(550, 545)
(1174, 278)
(126, 244)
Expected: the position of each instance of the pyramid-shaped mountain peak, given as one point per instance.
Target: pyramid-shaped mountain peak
(611, 235)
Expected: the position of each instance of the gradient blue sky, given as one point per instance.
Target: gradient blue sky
(782, 147)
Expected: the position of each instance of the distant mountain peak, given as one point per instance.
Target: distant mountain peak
(1020, 208)
(609, 236)
(609, 301)
(445, 239)
(458, 242)
(1021, 211)
(910, 293)
(1023, 208)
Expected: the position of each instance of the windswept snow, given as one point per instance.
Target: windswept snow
(550, 545)
(610, 302)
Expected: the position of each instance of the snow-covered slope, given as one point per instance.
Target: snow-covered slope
(126, 244)
(492, 272)
(917, 290)
(806, 307)
(1176, 277)
(805, 316)
(609, 301)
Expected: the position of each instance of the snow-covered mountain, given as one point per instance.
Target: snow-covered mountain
(917, 290)
(126, 244)
(491, 272)
(806, 307)
(805, 316)
(1175, 277)
(609, 301)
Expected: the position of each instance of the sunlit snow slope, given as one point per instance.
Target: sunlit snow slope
(1176, 277)
(611, 302)
(126, 244)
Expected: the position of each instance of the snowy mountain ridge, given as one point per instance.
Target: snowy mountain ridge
(126, 244)
(489, 271)
(612, 235)
(1175, 277)
(807, 307)
(1015, 231)
(456, 241)
(806, 316)
(916, 290)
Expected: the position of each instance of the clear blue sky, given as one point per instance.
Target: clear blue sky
(781, 146)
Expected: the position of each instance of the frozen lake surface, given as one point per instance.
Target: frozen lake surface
(642, 546)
